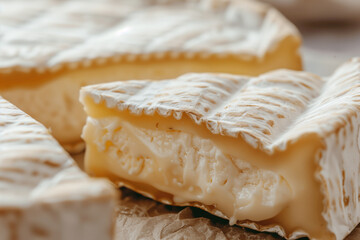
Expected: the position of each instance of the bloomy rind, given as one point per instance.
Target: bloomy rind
(216, 100)
(38, 178)
(78, 51)
(339, 164)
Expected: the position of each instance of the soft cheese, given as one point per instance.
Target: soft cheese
(278, 152)
(43, 194)
(49, 49)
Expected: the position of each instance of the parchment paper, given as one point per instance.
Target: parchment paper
(142, 218)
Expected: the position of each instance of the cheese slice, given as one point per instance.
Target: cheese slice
(43, 194)
(277, 153)
(49, 49)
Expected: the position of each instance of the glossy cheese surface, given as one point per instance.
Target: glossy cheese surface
(43, 194)
(281, 149)
(49, 49)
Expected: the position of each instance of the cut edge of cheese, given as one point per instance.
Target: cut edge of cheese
(43, 193)
(306, 109)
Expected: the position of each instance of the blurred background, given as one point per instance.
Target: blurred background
(330, 30)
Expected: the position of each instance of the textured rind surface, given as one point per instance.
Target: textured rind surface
(38, 178)
(340, 162)
(268, 112)
(52, 34)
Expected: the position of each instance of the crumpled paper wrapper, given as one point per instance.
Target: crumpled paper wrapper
(140, 218)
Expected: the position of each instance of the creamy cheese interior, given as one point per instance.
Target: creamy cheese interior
(52, 98)
(189, 167)
(179, 162)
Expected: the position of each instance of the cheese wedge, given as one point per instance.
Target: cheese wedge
(49, 49)
(43, 194)
(277, 153)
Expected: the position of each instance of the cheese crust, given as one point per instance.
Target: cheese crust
(295, 125)
(43, 194)
(56, 47)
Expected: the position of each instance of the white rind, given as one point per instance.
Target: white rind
(67, 34)
(224, 103)
(340, 161)
(43, 194)
(269, 112)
